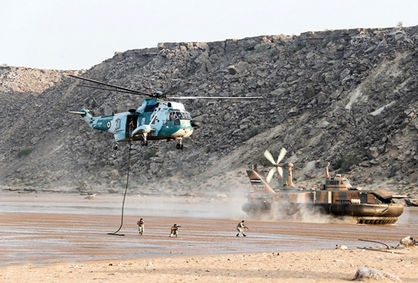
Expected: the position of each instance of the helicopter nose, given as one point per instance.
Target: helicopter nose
(184, 132)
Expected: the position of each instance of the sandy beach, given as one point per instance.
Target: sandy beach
(42, 241)
(299, 266)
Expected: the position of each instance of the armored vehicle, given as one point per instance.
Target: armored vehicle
(335, 197)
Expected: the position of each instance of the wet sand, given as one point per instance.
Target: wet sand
(36, 234)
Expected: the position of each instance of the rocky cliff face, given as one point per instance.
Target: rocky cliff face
(15, 80)
(348, 97)
(19, 87)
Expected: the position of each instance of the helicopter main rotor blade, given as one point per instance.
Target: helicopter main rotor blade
(132, 91)
(213, 97)
(270, 175)
(281, 155)
(269, 157)
(177, 88)
(103, 88)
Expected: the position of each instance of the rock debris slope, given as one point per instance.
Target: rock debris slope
(347, 96)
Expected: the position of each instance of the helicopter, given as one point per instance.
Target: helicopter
(155, 119)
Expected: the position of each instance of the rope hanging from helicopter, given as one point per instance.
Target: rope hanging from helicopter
(124, 195)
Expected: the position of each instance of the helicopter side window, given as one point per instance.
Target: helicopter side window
(171, 116)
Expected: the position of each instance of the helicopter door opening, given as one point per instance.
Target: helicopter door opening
(131, 123)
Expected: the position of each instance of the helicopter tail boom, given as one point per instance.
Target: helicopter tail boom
(76, 113)
(84, 113)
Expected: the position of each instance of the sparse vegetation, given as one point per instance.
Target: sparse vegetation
(300, 46)
(150, 153)
(346, 162)
(274, 53)
(262, 47)
(25, 151)
(254, 130)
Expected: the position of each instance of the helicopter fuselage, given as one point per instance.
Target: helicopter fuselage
(153, 120)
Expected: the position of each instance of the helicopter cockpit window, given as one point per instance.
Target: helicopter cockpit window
(186, 116)
(183, 115)
(178, 115)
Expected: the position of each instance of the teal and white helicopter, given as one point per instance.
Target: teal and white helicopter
(155, 119)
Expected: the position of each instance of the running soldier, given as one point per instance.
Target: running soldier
(174, 230)
(240, 228)
(140, 224)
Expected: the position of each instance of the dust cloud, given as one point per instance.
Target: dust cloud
(226, 205)
(284, 210)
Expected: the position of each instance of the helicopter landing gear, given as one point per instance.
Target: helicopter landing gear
(180, 144)
(144, 139)
(116, 147)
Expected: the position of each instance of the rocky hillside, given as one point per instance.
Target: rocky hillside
(348, 97)
(19, 87)
(28, 80)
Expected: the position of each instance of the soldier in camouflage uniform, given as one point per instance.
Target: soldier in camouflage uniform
(140, 224)
(174, 230)
(240, 228)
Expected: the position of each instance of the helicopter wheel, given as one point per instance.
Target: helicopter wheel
(145, 143)
(179, 146)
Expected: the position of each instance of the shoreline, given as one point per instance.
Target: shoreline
(289, 266)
